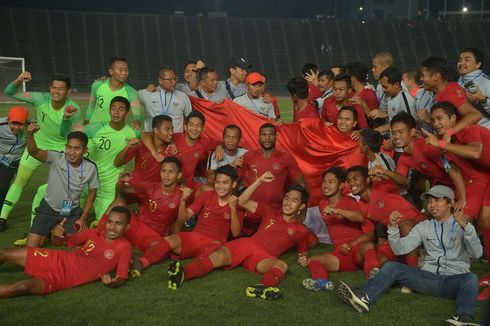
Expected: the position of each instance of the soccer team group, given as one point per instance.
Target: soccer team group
(246, 207)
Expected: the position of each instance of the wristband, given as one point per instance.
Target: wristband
(442, 144)
(450, 132)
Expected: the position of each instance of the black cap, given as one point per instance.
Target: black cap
(239, 62)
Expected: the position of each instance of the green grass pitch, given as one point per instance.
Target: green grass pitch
(216, 299)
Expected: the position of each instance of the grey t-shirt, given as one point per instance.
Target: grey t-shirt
(11, 146)
(213, 163)
(237, 90)
(57, 191)
(402, 102)
(174, 104)
(483, 82)
(257, 106)
(184, 88)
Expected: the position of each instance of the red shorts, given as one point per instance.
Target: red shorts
(475, 197)
(386, 251)
(47, 265)
(246, 252)
(194, 244)
(349, 262)
(141, 235)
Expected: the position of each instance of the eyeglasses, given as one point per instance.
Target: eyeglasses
(170, 79)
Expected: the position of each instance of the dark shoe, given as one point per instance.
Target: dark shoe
(354, 297)
(263, 292)
(136, 268)
(461, 320)
(175, 275)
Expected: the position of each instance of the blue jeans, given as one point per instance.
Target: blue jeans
(463, 287)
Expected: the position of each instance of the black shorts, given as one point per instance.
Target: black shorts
(47, 218)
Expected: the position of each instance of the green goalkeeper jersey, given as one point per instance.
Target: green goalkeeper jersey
(100, 101)
(53, 128)
(104, 145)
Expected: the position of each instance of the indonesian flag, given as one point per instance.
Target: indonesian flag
(314, 147)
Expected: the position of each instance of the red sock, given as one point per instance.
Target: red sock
(199, 267)
(272, 277)
(370, 260)
(412, 261)
(486, 243)
(156, 253)
(317, 270)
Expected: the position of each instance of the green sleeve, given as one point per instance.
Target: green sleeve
(65, 127)
(92, 129)
(34, 98)
(93, 97)
(135, 103)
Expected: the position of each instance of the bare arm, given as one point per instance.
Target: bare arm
(244, 199)
(32, 148)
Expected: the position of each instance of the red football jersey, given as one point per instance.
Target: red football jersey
(159, 210)
(214, 220)
(342, 230)
(146, 168)
(382, 203)
(452, 93)
(308, 112)
(330, 112)
(282, 165)
(368, 95)
(276, 235)
(192, 155)
(68, 269)
(476, 134)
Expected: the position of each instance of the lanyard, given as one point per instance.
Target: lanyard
(463, 81)
(421, 97)
(68, 169)
(15, 145)
(165, 107)
(441, 241)
(255, 106)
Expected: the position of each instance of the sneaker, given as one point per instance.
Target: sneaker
(405, 290)
(485, 280)
(3, 224)
(317, 284)
(21, 242)
(264, 292)
(175, 275)
(136, 267)
(484, 295)
(461, 320)
(372, 273)
(355, 297)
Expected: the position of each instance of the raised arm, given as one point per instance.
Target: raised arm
(244, 199)
(32, 148)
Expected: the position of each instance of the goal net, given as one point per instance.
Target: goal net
(10, 68)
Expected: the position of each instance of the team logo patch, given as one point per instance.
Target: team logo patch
(291, 232)
(171, 205)
(380, 203)
(196, 154)
(276, 166)
(424, 165)
(109, 254)
(175, 104)
(152, 205)
(144, 164)
(227, 216)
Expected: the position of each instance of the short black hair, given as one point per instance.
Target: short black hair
(341, 68)
(157, 120)
(405, 118)
(174, 160)
(337, 171)
(298, 86)
(358, 70)
(122, 100)
(307, 67)
(123, 210)
(62, 78)
(82, 137)
(436, 65)
(477, 53)
(350, 109)
(227, 170)
(195, 114)
(328, 73)
(393, 75)
(267, 125)
(363, 170)
(163, 70)
(203, 73)
(302, 190)
(372, 138)
(233, 127)
(447, 107)
(412, 74)
(116, 58)
(343, 77)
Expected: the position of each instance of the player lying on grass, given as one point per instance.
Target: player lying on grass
(54, 270)
(450, 242)
(278, 232)
(351, 234)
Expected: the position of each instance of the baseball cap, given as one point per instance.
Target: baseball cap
(239, 62)
(255, 77)
(438, 191)
(18, 114)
